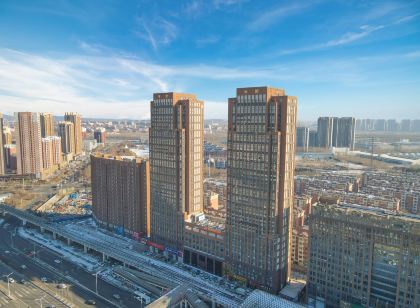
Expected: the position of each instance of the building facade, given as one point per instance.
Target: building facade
(302, 138)
(51, 152)
(28, 143)
(261, 161)
(76, 119)
(121, 194)
(361, 256)
(176, 165)
(47, 124)
(66, 132)
(325, 132)
(100, 135)
(344, 132)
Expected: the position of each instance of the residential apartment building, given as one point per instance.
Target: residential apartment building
(176, 166)
(100, 135)
(28, 143)
(302, 138)
(121, 194)
(325, 132)
(66, 132)
(76, 119)
(344, 132)
(365, 257)
(47, 124)
(261, 149)
(7, 135)
(51, 152)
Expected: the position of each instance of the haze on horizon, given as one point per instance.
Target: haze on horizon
(104, 59)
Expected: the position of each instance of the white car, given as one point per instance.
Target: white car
(62, 286)
(11, 280)
(57, 261)
(44, 279)
(116, 296)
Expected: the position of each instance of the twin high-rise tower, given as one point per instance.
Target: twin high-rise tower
(261, 146)
(176, 165)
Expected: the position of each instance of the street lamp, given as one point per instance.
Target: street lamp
(8, 283)
(96, 281)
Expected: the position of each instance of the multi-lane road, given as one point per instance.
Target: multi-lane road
(81, 285)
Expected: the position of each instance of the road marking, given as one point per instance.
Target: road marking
(4, 300)
(18, 294)
(26, 291)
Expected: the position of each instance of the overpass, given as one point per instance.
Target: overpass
(117, 249)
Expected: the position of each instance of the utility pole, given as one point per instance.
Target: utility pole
(40, 300)
(8, 283)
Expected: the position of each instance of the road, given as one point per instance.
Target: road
(117, 249)
(34, 271)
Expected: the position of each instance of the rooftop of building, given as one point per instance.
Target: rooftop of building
(260, 298)
(362, 210)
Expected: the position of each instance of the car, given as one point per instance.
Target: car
(7, 251)
(11, 280)
(23, 281)
(61, 286)
(116, 296)
(90, 302)
(57, 261)
(44, 279)
(23, 266)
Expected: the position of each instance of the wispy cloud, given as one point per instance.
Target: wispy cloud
(349, 37)
(274, 15)
(157, 31)
(118, 86)
(208, 40)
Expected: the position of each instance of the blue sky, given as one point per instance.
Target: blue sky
(106, 58)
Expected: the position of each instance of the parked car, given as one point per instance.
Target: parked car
(90, 302)
(61, 286)
(44, 279)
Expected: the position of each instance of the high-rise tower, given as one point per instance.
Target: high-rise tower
(261, 161)
(47, 124)
(66, 132)
(76, 119)
(28, 143)
(176, 165)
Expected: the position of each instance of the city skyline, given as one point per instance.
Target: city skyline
(111, 60)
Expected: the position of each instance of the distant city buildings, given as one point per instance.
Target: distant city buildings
(176, 166)
(325, 132)
(51, 152)
(362, 256)
(7, 135)
(121, 194)
(388, 125)
(100, 135)
(47, 124)
(28, 143)
(261, 142)
(302, 138)
(76, 119)
(336, 132)
(66, 132)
